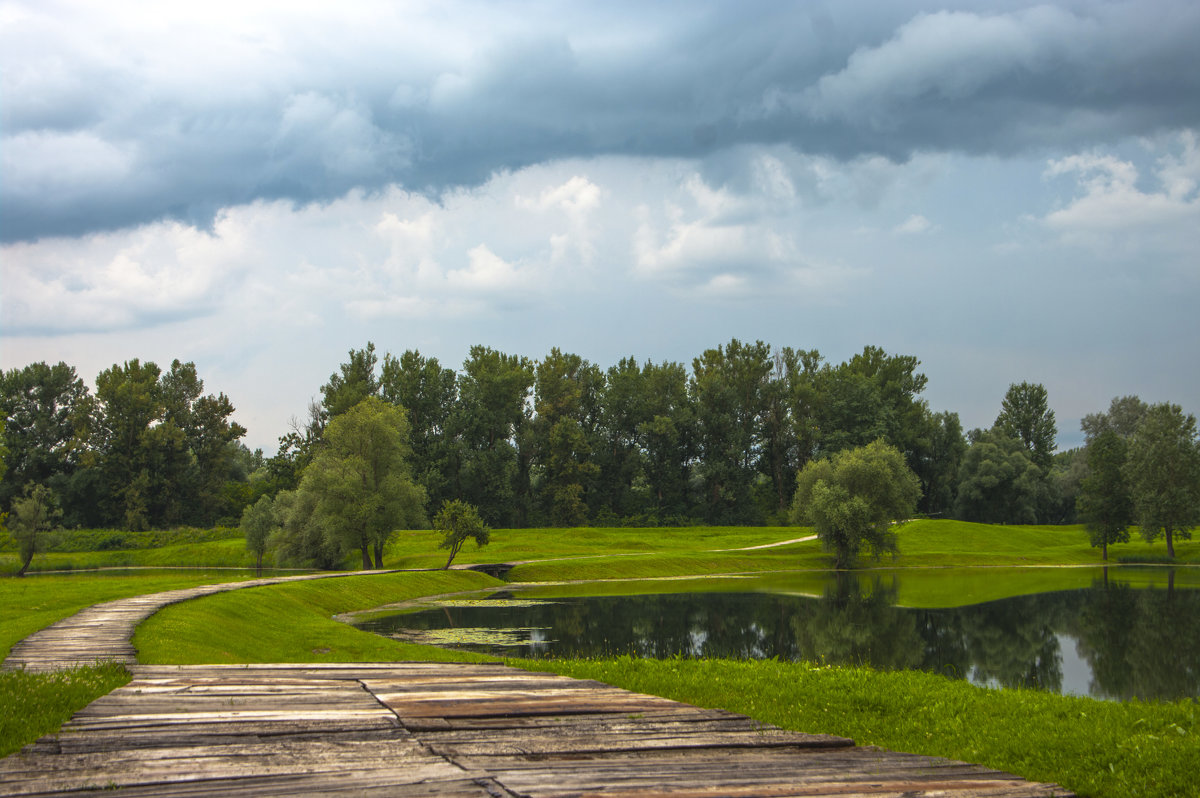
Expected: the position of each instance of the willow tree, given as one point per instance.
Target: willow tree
(853, 497)
(360, 480)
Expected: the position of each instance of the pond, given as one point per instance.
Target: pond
(1115, 639)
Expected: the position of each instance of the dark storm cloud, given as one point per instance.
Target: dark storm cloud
(107, 126)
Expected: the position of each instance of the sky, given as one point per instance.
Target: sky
(1009, 191)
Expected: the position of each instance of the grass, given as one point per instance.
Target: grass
(1093, 747)
(35, 704)
(34, 602)
(1097, 748)
(293, 622)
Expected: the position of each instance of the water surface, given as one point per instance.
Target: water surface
(1110, 640)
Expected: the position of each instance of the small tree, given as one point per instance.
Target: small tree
(852, 498)
(1103, 502)
(458, 521)
(33, 517)
(1164, 474)
(258, 522)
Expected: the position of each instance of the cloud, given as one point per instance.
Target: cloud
(1113, 213)
(124, 116)
(913, 225)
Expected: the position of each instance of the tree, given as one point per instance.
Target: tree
(852, 498)
(566, 397)
(1123, 416)
(428, 393)
(45, 411)
(940, 463)
(1026, 415)
(360, 480)
(1164, 474)
(258, 522)
(998, 482)
(458, 521)
(33, 516)
(355, 382)
(487, 423)
(1104, 502)
(730, 399)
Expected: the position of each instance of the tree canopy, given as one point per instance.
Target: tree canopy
(459, 522)
(853, 497)
(359, 484)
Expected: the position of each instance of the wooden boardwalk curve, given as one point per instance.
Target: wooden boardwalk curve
(105, 631)
(425, 729)
(408, 729)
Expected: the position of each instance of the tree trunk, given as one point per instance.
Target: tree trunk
(258, 566)
(1104, 549)
(378, 556)
(25, 564)
(366, 557)
(1170, 544)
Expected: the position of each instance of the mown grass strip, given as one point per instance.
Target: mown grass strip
(36, 704)
(1096, 748)
(293, 622)
(34, 602)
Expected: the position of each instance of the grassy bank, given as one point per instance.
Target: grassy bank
(1095, 748)
(293, 622)
(34, 704)
(34, 602)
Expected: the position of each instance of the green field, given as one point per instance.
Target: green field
(1097, 748)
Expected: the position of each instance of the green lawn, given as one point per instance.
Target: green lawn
(293, 622)
(1094, 747)
(33, 602)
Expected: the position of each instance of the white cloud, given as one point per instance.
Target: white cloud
(913, 225)
(1113, 212)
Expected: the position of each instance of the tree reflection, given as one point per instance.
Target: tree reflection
(1139, 643)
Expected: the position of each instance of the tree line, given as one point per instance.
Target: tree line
(561, 441)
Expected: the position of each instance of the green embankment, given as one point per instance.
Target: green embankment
(293, 622)
(34, 602)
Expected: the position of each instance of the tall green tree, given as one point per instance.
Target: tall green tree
(998, 482)
(624, 407)
(729, 394)
(1122, 417)
(487, 424)
(1164, 474)
(129, 400)
(45, 412)
(361, 481)
(566, 400)
(1026, 415)
(1104, 503)
(668, 438)
(428, 392)
(939, 466)
(853, 497)
(355, 380)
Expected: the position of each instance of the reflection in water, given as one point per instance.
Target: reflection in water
(1137, 643)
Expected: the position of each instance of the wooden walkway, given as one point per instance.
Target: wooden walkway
(433, 729)
(425, 729)
(104, 631)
